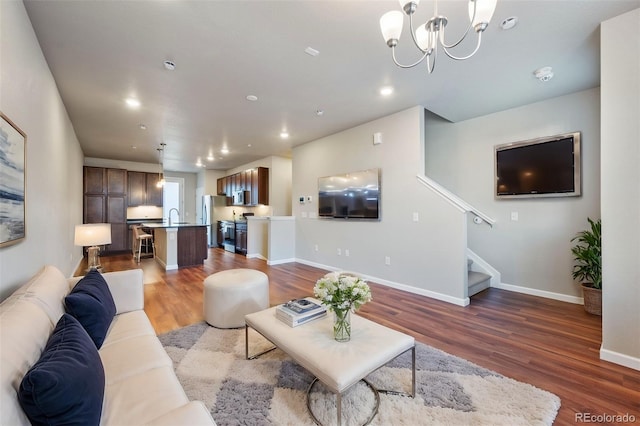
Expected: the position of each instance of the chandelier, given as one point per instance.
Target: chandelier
(427, 36)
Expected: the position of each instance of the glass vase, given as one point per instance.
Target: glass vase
(342, 325)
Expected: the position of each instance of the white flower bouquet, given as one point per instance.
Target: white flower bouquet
(342, 294)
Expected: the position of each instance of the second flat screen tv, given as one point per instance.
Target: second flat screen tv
(543, 167)
(353, 195)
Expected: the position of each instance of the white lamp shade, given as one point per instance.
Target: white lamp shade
(484, 11)
(422, 37)
(391, 25)
(92, 234)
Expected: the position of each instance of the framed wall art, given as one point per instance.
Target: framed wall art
(12, 182)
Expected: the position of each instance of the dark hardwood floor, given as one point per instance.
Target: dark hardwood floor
(550, 344)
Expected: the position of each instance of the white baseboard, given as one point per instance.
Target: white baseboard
(399, 286)
(256, 256)
(620, 359)
(541, 293)
(278, 262)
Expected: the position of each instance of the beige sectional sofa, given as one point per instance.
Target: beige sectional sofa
(140, 384)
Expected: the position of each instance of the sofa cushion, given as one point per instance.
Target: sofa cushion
(47, 289)
(91, 303)
(24, 330)
(66, 385)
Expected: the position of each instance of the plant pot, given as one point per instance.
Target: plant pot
(592, 299)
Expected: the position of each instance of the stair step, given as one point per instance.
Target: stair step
(477, 277)
(478, 281)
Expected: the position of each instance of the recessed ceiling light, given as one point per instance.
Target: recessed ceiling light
(210, 158)
(311, 51)
(142, 127)
(386, 91)
(224, 150)
(319, 112)
(252, 98)
(134, 147)
(284, 135)
(249, 145)
(509, 23)
(169, 65)
(132, 103)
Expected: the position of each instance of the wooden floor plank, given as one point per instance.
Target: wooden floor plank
(550, 344)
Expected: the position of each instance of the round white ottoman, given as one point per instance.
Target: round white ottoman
(232, 294)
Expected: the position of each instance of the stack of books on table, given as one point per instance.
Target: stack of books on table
(300, 311)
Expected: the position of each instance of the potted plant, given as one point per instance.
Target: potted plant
(587, 268)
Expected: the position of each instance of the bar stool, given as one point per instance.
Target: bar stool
(143, 237)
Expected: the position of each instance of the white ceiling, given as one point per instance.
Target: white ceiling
(101, 52)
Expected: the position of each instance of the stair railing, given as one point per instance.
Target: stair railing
(456, 201)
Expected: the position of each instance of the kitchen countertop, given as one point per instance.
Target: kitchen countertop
(173, 225)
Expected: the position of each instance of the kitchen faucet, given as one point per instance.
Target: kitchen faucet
(177, 212)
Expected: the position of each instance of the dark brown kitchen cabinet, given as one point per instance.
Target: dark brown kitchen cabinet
(241, 238)
(192, 245)
(94, 208)
(137, 188)
(259, 186)
(143, 189)
(95, 180)
(116, 181)
(255, 180)
(154, 192)
(105, 201)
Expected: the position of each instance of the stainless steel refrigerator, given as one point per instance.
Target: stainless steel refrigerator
(211, 213)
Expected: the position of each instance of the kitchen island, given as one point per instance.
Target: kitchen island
(179, 244)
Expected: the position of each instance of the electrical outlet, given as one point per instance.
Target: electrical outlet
(304, 214)
(514, 216)
(346, 252)
(387, 260)
(339, 252)
(315, 247)
(416, 217)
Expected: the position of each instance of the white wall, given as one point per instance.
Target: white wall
(428, 256)
(620, 82)
(533, 252)
(30, 98)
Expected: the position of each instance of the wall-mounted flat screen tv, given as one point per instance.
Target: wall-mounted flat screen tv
(354, 195)
(542, 167)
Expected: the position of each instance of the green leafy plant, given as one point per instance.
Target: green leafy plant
(587, 255)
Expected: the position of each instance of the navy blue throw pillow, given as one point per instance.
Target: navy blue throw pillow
(66, 385)
(91, 303)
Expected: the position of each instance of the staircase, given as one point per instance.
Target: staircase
(478, 281)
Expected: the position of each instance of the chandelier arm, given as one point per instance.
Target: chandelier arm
(449, 46)
(432, 65)
(462, 58)
(393, 54)
(413, 34)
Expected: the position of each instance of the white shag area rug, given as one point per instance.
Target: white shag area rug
(271, 390)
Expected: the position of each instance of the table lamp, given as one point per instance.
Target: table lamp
(93, 235)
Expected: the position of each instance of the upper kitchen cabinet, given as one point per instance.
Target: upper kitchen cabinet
(255, 181)
(259, 186)
(143, 190)
(116, 181)
(95, 180)
(154, 192)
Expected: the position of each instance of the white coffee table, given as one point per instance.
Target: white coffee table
(337, 365)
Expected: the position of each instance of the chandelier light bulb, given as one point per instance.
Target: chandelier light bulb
(484, 12)
(391, 27)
